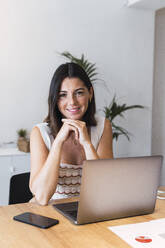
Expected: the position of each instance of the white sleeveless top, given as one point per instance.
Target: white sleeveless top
(70, 175)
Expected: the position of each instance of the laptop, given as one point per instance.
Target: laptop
(115, 188)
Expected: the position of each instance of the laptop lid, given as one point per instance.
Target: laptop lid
(115, 188)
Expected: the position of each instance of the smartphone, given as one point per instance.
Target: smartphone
(36, 220)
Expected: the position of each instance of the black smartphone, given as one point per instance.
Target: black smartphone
(36, 220)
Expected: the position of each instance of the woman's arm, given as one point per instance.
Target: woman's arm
(45, 164)
(44, 167)
(105, 147)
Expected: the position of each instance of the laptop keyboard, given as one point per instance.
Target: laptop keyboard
(68, 208)
(72, 214)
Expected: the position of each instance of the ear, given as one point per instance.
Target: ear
(90, 93)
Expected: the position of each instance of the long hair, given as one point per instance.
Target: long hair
(70, 70)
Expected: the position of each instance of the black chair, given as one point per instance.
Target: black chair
(19, 191)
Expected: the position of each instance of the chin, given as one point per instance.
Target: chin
(74, 117)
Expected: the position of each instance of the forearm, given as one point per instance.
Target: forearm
(44, 184)
(90, 151)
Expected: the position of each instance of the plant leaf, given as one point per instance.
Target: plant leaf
(117, 130)
(113, 110)
(89, 67)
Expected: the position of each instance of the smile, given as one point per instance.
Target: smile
(73, 110)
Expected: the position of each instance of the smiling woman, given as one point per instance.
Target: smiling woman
(74, 98)
(70, 134)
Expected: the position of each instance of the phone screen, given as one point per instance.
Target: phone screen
(36, 220)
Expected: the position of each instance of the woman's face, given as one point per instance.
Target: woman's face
(73, 98)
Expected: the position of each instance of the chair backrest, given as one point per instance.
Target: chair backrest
(19, 191)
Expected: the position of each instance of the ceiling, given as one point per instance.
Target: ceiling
(146, 4)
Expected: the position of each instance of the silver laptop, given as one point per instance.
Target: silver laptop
(115, 188)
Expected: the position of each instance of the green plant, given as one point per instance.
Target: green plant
(113, 109)
(89, 67)
(22, 133)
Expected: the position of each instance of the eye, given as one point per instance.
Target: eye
(62, 95)
(80, 93)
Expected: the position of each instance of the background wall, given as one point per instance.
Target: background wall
(158, 130)
(120, 40)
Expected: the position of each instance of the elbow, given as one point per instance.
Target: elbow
(41, 201)
(41, 198)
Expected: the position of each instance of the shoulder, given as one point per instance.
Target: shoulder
(36, 140)
(42, 125)
(103, 124)
(42, 131)
(35, 133)
(43, 128)
(102, 120)
(39, 131)
(107, 128)
(107, 124)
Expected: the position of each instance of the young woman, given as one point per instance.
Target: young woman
(70, 134)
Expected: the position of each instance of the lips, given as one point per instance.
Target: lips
(73, 110)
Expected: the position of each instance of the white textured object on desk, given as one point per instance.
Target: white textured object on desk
(11, 151)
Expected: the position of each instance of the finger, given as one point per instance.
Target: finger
(73, 128)
(76, 123)
(65, 120)
(76, 132)
(73, 121)
(69, 128)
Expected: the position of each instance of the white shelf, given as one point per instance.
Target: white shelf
(12, 162)
(11, 152)
(146, 4)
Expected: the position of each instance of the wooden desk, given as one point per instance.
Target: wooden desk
(15, 234)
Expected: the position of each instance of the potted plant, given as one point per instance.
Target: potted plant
(23, 142)
(113, 109)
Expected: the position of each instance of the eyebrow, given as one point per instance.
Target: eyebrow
(75, 90)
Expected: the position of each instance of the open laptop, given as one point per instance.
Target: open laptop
(115, 188)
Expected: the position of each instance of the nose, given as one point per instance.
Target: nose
(72, 99)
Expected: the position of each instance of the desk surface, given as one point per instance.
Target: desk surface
(15, 234)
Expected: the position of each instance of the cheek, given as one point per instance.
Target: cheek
(87, 103)
(60, 105)
(85, 100)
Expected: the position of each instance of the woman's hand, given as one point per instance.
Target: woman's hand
(64, 132)
(80, 129)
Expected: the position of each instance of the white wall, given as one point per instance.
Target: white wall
(120, 40)
(158, 129)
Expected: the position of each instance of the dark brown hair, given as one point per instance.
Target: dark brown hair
(70, 70)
